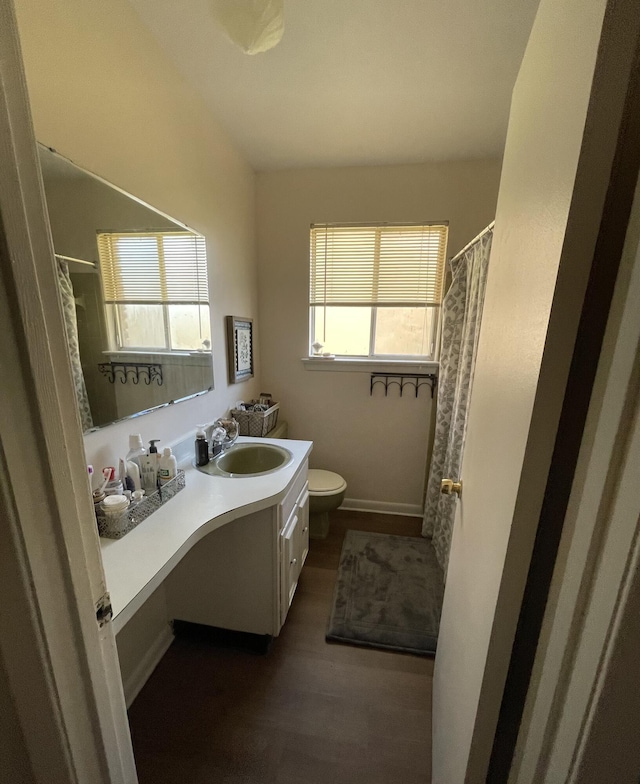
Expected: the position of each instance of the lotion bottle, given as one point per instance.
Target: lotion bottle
(168, 467)
(149, 466)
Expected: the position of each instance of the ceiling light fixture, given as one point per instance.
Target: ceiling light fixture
(254, 25)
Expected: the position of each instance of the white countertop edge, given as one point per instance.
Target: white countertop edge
(137, 564)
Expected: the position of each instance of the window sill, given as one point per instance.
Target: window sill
(132, 353)
(371, 365)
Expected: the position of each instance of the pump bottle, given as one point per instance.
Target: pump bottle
(149, 467)
(202, 448)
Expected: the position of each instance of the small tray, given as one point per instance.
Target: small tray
(117, 527)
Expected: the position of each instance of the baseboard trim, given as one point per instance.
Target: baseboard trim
(381, 507)
(140, 675)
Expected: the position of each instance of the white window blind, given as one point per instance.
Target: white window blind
(153, 268)
(378, 265)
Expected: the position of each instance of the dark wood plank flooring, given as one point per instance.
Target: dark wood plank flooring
(307, 712)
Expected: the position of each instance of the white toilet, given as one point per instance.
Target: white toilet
(326, 493)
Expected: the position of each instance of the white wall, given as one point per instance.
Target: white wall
(554, 179)
(104, 95)
(378, 444)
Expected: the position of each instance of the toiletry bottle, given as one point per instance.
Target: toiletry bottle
(114, 505)
(98, 498)
(127, 482)
(135, 454)
(113, 510)
(114, 485)
(149, 465)
(133, 482)
(202, 448)
(136, 447)
(168, 466)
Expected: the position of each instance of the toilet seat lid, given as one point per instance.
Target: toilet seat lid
(325, 482)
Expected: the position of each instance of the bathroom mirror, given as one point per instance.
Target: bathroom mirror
(135, 296)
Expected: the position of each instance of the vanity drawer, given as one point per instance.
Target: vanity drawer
(291, 498)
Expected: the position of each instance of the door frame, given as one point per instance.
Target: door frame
(61, 665)
(580, 719)
(618, 59)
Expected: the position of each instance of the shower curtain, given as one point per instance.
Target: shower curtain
(461, 316)
(71, 325)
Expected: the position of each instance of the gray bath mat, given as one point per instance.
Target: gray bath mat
(388, 594)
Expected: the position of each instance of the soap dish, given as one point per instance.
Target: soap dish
(117, 527)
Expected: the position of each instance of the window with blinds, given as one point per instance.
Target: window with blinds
(155, 290)
(153, 267)
(375, 289)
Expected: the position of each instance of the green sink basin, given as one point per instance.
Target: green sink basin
(248, 460)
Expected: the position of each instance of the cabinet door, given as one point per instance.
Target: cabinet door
(289, 565)
(303, 527)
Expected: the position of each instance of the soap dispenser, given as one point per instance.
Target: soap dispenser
(202, 448)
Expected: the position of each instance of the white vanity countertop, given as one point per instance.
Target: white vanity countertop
(135, 565)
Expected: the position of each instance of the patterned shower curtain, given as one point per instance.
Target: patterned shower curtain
(461, 316)
(71, 325)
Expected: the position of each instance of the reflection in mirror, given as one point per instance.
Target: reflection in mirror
(135, 295)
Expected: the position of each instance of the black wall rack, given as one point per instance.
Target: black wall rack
(402, 380)
(131, 371)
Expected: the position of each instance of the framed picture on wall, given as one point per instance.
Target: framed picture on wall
(240, 348)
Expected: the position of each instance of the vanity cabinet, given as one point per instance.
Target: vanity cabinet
(243, 575)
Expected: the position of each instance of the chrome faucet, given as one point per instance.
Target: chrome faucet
(224, 434)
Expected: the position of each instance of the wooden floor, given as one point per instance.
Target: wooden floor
(306, 712)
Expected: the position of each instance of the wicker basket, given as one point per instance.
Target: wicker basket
(256, 423)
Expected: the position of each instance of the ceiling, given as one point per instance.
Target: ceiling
(357, 82)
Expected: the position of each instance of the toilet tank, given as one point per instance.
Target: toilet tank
(281, 430)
